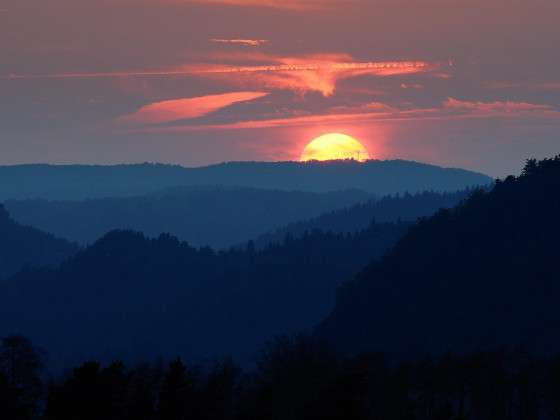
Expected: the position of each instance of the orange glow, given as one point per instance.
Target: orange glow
(334, 146)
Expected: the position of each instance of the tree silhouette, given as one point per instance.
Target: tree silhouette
(177, 399)
(21, 366)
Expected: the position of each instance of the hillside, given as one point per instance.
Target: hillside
(26, 247)
(406, 207)
(480, 276)
(76, 182)
(218, 217)
(130, 297)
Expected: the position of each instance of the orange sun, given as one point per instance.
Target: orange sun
(334, 146)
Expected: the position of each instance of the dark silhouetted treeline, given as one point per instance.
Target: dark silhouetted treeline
(79, 182)
(295, 378)
(405, 207)
(219, 217)
(482, 275)
(131, 297)
(26, 247)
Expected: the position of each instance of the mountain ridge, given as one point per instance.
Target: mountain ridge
(219, 217)
(25, 247)
(405, 207)
(128, 296)
(94, 181)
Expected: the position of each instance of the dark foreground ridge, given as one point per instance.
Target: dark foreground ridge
(295, 379)
(76, 182)
(480, 276)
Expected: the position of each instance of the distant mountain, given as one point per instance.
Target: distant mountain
(130, 297)
(480, 276)
(75, 182)
(218, 216)
(405, 207)
(26, 247)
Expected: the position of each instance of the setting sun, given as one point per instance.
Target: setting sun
(334, 146)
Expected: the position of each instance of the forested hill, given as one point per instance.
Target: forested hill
(129, 297)
(484, 274)
(76, 182)
(405, 207)
(203, 216)
(26, 247)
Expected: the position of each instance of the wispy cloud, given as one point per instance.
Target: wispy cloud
(187, 108)
(540, 86)
(100, 75)
(244, 42)
(293, 5)
(503, 107)
(310, 73)
(451, 109)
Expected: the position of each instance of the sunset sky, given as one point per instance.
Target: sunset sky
(469, 83)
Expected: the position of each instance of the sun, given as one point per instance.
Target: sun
(334, 146)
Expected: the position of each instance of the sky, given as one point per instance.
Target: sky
(460, 83)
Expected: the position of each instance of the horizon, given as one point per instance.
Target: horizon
(299, 162)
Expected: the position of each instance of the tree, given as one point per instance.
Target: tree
(21, 365)
(177, 396)
(531, 167)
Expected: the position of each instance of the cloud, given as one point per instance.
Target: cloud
(292, 5)
(370, 107)
(274, 123)
(301, 74)
(451, 109)
(540, 86)
(336, 115)
(187, 108)
(500, 107)
(416, 86)
(244, 42)
(311, 73)
(100, 75)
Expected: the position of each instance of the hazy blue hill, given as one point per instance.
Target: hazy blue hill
(128, 296)
(23, 246)
(75, 182)
(405, 207)
(480, 276)
(216, 216)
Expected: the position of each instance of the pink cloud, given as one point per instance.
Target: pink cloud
(312, 73)
(188, 108)
(451, 109)
(301, 74)
(377, 112)
(371, 107)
